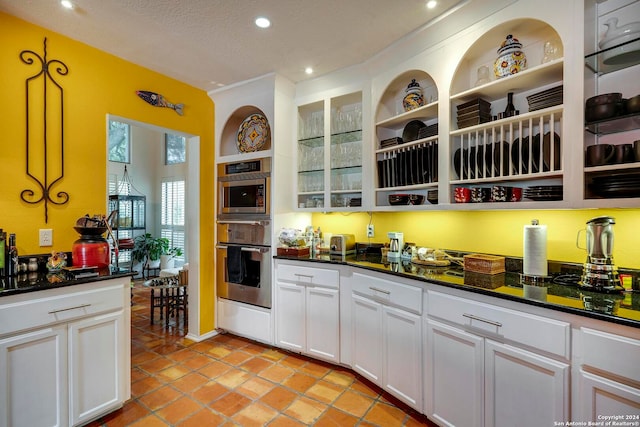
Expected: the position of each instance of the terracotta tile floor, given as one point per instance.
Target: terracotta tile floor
(231, 381)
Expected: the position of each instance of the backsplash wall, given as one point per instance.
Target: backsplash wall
(492, 232)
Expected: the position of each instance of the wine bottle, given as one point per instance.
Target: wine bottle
(11, 259)
(3, 237)
(511, 109)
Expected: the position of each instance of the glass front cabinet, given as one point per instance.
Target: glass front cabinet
(329, 154)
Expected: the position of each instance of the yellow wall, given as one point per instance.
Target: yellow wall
(97, 84)
(494, 232)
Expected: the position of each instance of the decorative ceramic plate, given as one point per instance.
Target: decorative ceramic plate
(253, 133)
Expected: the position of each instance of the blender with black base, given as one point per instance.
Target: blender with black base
(599, 272)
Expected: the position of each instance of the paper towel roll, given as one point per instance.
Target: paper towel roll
(535, 250)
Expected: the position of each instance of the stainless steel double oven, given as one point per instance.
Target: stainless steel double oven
(244, 232)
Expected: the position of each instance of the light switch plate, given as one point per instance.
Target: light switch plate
(46, 237)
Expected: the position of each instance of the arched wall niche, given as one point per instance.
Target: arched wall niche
(532, 34)
(228, 140)
(390, 104)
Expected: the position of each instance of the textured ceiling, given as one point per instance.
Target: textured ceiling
(209, 43)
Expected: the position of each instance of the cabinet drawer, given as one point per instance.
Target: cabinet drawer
(308, 275)
(387, 292)
(612, 353)
(544, 334)
(35, 309)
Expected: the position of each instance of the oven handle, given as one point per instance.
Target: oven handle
(247, 249)
(248, 222)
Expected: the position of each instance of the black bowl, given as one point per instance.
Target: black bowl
(90, 231)
(416, 199)
(398, 199)
(603, 111)
(605, 98)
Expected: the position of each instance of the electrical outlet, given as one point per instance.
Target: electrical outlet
(46, 237)
(369, 230)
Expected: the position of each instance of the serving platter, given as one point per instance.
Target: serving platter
(253, 134)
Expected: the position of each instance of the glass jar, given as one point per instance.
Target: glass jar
(483, 75)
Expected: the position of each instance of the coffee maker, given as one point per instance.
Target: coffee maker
(396, 243)
(599, 272)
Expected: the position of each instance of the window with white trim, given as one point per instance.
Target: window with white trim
(173, 214)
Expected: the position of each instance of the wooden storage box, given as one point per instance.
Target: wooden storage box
(294, 251)
(486, 264)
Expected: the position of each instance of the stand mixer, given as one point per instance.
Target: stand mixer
(599, 272)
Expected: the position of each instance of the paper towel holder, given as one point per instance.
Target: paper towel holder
(529, 280)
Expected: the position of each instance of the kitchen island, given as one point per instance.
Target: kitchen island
(441, 338)
(65, 347)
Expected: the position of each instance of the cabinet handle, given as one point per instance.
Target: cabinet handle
(70, 308)
(250, 222)
(309, 276)
(380, 290)
(491, 322)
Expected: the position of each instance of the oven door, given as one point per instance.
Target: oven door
(246, 196)
(244, 273)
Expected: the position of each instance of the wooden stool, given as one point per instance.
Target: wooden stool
(169, 295)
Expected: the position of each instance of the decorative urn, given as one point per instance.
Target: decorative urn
(511, 59)
(413, 98)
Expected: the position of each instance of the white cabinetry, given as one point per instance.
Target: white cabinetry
(65, 354)
(454, 375)
(386, 335)
(411, 163)
(472, 361)
(608, 376)
(307, 310)
(94, 379)
(524, 150)
(34, 370)
(330, 157)
(612, 70)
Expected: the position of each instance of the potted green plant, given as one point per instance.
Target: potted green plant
(147, 249)
(167, 258)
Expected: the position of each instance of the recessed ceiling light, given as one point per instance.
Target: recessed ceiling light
(431, 4)
(308, 70)
(263, 22)
(67, 4)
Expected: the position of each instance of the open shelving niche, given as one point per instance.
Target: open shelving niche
(416, 159)
(229, 151)
(329, 157)
(491, 154)
(606, 78)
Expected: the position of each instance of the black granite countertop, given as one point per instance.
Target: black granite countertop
(42, 280)
(621, 308)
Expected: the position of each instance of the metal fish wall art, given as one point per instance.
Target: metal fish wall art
(158, 100)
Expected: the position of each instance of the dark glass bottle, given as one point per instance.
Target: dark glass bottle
(3, 251)
(11, 259)
(511, 109)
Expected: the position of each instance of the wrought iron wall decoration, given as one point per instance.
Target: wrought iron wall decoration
(51, 139)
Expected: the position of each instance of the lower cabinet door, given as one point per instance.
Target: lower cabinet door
(290, 316)
(33, 368)
(96, 365)
(599, 396)
(402, 358)
(454, 375)
(323, 323)
(523, 388)
(366, 333)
